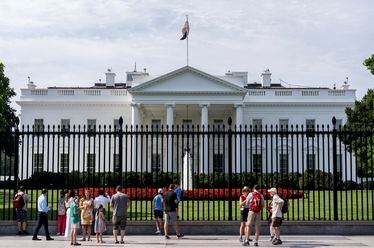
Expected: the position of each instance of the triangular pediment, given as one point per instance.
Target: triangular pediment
(187, 80)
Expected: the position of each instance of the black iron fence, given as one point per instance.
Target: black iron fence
(326, 172)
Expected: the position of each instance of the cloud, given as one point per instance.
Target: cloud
(313, 43)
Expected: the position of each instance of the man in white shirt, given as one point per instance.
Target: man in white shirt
(101, 199)
(276, 215)
(43, 210)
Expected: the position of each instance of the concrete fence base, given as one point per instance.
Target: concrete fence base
(224, 228)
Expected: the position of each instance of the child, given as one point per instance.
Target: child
(100, 226)
(61, 214)
(244, 209)
(158, 210)
(272, 235)
(75, 218)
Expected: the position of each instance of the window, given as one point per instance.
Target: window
(256, 163)
(339, 165)
(283, 163)
(339, 124)
(91, 162)
(218, 162)
(38, 125)
(116, 126)
(310, 161)
(187, 124)
(218, 125)
(310, 124)
(64, 163)
(116, 163)
(283, 125)
(91, 125)
(37, 162)
(156, 125)
(65, 125)
(257, 125)
(156, 162)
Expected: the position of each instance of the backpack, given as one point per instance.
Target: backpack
(18, 201)
(285, 206)
(256, 205)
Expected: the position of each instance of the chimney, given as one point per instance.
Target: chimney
(30, 84)
(110, 77)
(345, 85)
(266, 78)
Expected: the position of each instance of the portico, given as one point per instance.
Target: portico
(186, 98)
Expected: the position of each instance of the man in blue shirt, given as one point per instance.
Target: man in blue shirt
(158, 210)
(43, 210)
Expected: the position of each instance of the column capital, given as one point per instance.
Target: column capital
(168, 105)
(239, 105)
(202, 105)
(135, 104)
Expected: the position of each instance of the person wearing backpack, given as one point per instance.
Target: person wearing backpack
(256, 202)
(20, 206)
(276, 215)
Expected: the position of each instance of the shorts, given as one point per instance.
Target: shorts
(276, 222)
(119, 222)
(75, 226)
(21, 215)
(171, 217)
(158, 214)
(254, 218)
(244, 215)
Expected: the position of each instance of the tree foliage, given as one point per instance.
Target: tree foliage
(369, 63)
(8, 118)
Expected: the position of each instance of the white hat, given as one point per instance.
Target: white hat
(273, 190)
(160, 190)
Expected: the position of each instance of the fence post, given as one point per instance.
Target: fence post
(229, 180)
(16, 162)
(120, 151)
(335, 168)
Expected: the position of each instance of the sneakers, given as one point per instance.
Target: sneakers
(255, 244)
(241, 239)
(277, 241)
(181, 235)
(167, 237)
(245, 243)
(158, 232)
(271, 238)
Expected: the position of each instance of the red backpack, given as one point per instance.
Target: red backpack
(18, 202)
(256, 205)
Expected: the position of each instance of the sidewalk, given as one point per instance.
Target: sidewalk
(195, 242)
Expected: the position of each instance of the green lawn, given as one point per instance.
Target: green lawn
(316, 205)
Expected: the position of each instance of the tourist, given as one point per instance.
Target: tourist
(20, 205)
(170, 207)
(86, 205)
(61, 213)
(158, 210)
(100, 224)
(43, 210)
(75, 215)
(272, 235)
(244, 209)
(178, 191)
(256, 203)
(276, 215)
(69, 198)
(120, 202)
(101, 199)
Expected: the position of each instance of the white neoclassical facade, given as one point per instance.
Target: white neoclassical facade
(187, 96)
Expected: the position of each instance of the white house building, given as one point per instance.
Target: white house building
(188, 96)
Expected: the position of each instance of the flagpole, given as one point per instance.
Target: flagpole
(187, 39)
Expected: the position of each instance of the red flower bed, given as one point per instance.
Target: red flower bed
(195, 194)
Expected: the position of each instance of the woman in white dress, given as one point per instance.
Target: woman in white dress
(69, 199)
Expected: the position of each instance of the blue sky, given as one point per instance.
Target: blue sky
(71, 43)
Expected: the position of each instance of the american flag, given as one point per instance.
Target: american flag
(185, 30)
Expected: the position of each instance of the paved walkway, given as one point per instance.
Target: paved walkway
(196, 242)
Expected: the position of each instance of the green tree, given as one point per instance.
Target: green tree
(369, 63)
(8, 118)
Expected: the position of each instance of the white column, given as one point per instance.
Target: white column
(170, 123)
(204, 152)
(135, 147)
(239, 149)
